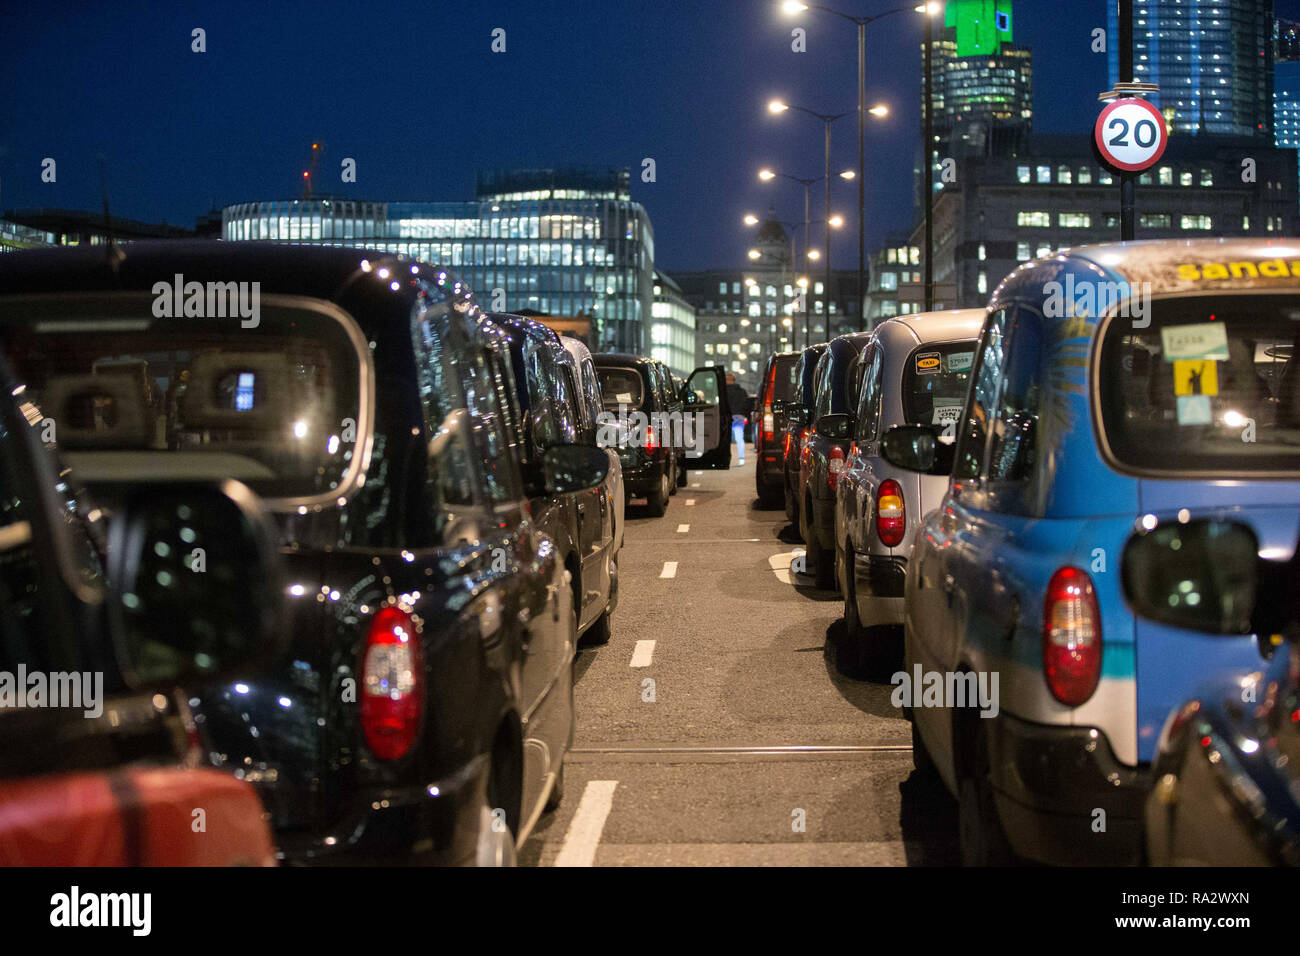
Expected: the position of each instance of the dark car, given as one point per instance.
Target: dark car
(112, 737)
(824, 448)
(798, 413)
(423, 708)
(548, 410)
(1226, 773)
(775, 391)
(645, 418)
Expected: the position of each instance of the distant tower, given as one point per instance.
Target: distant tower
(1212, 59)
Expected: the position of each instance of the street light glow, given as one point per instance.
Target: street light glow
(754, 253)
(932, 8)
(836, 221)
(776, 106)
(766, 174)
(879, 109)
(793, 6)
(848, 174)
(751, 220)
(813, 254)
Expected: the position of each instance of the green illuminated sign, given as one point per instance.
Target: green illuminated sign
(982, 25)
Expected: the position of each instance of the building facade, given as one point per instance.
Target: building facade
(566, 241)
(1212, 59)
(1005, 210)
(672, 327)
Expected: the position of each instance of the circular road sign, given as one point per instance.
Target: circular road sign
(1130, 134)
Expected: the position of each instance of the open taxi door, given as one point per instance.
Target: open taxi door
(705, 406)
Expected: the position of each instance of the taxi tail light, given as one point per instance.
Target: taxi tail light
(891, 513)
(392, 684)
(804, 450)
(651, 439)
(1071, 636)
(769, 426)
(834, 466)
(788, 438)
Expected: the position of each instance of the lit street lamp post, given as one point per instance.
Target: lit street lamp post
(930, 8)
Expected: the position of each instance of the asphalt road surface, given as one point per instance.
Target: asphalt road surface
(714, 727)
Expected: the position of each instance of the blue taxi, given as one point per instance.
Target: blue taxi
(1114, 387)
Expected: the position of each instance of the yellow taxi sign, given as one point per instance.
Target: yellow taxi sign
(1239, 269)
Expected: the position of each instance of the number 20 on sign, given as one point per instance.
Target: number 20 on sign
(1130, 134)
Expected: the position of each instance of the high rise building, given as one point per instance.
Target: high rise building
(1212, 59)
(982, 96)
(1286, 41)
(565, 242)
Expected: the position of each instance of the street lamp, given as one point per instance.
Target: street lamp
(932, 8)
(767, 175)
(779, 106)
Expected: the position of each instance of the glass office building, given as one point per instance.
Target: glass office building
(672, 330)
(565, 242)
(1213, 61)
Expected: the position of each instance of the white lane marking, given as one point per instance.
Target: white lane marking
(696, 485)
(689, 502)
(683, 528)
(780, 565)
(588, 823)
(643, 654)
(670, 570)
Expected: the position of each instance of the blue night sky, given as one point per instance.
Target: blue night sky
(413, 92)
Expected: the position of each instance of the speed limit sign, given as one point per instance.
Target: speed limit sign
(1130, 134)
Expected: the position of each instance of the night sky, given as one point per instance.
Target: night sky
(413, 92)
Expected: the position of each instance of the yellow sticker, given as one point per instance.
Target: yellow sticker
(1195, 377)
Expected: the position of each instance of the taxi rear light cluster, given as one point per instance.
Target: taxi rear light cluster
(651, 439)
(891, 513)
(834, 466)
(1071, 636)
(392, 684)
(769, 433)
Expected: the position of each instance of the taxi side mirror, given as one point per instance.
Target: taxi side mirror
(919, 448)
(1200, 575)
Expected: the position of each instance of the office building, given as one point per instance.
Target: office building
(672, 326)
(1005, 210)
(1212, 59)
(564, 241)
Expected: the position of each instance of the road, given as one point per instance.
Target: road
(714, 728)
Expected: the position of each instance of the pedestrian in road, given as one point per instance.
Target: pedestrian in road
(740, 408)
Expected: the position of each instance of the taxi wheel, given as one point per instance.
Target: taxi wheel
(556, 796)
(819, 562)
(922, 762)
(682, 475)
(658, 499)
(599, 632)
(983, 841)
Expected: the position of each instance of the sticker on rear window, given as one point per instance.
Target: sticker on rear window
(927, 362)
(1206, 340)
(959, 361)
(1196, 378)
(624, 397)
(945, 414)
(1193, 409)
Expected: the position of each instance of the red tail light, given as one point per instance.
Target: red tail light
(1071, 637)
(834, 466)
(891, 514)
(788, 436)
(651, 440)
(392, 684)
(768, 422)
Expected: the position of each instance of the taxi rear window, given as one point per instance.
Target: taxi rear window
(619, 386)
(935, 380)
(1209, 386)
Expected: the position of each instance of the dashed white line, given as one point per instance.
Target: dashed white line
(689, 502)
(670, 570)
(643, 654)
(683, 528)
(588, 823)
